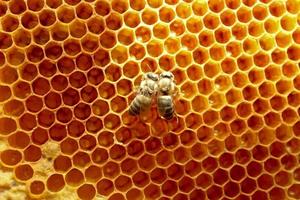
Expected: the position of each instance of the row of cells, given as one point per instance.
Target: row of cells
(256, 177)
(84, 10)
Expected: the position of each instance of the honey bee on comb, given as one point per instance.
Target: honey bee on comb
(146, 92)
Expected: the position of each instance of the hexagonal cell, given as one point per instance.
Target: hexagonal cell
(21, 37)
(65, 14)
(58, 132)
(74, 177)
(86, 191)
(30, 20)
(32, 153)
(72, 47)
(234, 96)
(41, 35)
(228, 17)
(7, 40)
(102, 7)
(27, 121)
(283, 178)
(62, 163)
(117, 152)
(283, 39)
(59, 82)
(37, 187)
(211, 21)
(194, 25)
(217, 52)
(88, 94)
(215, 147)
(18, 140)
(177, 27)
(93, 173)
(100, 156)
(153, 145)
(55, 182)
(10, 157)
(84, 10)
(166, 14)
(137, 51)
(46, 118)
(82, 111)
(39, 136)
(9, 23)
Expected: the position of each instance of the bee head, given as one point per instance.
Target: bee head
(168, 75)
(151, 76)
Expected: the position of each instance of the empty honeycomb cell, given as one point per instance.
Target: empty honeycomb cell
(19, 140)
(45, 118)
(250, 93)
(220, 176)
(71, 47)
(117, 152)
(59, 82)
(37, 187)
(278, 102)
(47, 17)
(233, 96)
(222, 35)
(245, 62)
(119, 54)
(172, 45)
(64, 115)
(166, 14)
(239, 31)
(81, 159)
(6, 41)
(74, 177)
(198, 150)
(13, 107)
(166, 62)
(87, 142)
(34, 53)
(204, 180)
(76, 28)
(282, 178)
(52, 100)
(39, 136)
(123, 183)
(242, 156)
(55, 182)
(16, 57)
(250, 46)
(237, 172)
(283, 39)
(227, 113)
(248, 185)
(177, 27)
(214, 192)
(9, 23)
(53, 50)
(40, 35)
(277, 193)
(27, 121)
(226, 160)
(23, 172)
(266, 136)
(99, 156)
(143, 34)
(283, 132)
(293, 52)
(100, 107)
(65, 14)
(292, 145)
(84, 10)
(77, 79)
(215, 147)
(228, 17)
(94, 124)
(288, 22)
(29, 20)
(183, 58)
(105, 139)
(93, 173)
(260, 12)
(137, 51)
(211, 69)
(289, 116)
(211, 21)
(154, 48)
(5, 93)
(271, 165)
(82, 111)
(126, 36)
(289, 162)
(132, 19)
(238, 126)
(96, 25)
(111, 170)
(217, 52)
(255, 122)
(84, 61)
(102, 7)
(160, 31)
(57, 132)
(278, 56)
(289, 69)
(86, 191)
(32, 153)
(10, 157)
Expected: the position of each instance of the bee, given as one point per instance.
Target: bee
(166, 92)
(146, 91)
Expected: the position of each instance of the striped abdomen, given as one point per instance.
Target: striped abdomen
(165, 106)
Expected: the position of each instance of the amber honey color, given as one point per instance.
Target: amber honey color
(69, 71)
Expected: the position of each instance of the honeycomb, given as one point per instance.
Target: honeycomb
(68, 73)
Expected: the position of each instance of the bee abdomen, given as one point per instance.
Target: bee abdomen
(165, 107)
(135, 107)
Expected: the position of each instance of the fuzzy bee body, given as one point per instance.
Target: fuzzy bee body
(145, 93)
(165, 106)
(166, 92)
